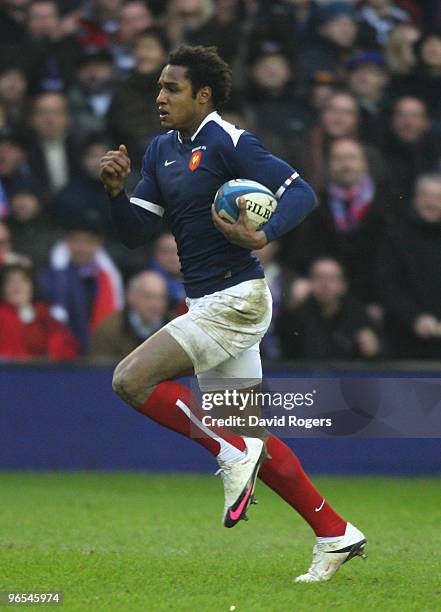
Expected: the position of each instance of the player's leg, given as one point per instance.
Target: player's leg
(143, 380)
(241, 375)
(337, 540)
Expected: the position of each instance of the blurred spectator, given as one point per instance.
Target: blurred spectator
(13, 90)
(426, 80)
(52, 155)
(99, 23)
(12, 20)
(84, 194)
(278, 116)
(321, 86)
(134, 18)
(330, 324)
(165, 261)
(283, 25)
(133, 113)
(339, 118)
(335, 42)
(15, 172)
(186, 16)
(408, 281)
(27, 329)
(223, 29)
(409, 147)
(378, 19)
(50, 56)
(81, 282)
(90, 95)
(144, 314)
(353, 210)
(32, 232)
(368, 79)
(401, 59)
(7, 255)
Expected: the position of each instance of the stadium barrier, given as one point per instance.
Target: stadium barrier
(66, 417)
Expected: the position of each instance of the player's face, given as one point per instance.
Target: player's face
(178, 109)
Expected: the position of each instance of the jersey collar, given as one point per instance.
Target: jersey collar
(214, 116)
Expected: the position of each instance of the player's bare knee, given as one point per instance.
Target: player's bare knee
(130, 385)
(124, 383)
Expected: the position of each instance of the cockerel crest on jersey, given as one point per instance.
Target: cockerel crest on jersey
(195, 160)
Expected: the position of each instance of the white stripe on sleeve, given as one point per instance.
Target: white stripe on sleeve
(150, 206)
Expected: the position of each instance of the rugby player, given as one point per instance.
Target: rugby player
(228, 298)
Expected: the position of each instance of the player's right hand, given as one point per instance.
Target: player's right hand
(114, 169)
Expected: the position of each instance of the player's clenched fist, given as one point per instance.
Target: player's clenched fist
(114, 168)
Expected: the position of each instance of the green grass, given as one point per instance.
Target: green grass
(152, 542)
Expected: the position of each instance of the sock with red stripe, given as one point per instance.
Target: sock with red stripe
(175, 407)
(284, 475)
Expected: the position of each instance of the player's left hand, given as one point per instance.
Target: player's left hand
(242, 233)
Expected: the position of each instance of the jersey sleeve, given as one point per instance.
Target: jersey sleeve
(252, 161)
(147, 194)
(295, 197)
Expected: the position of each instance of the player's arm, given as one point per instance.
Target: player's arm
(296, 198)
(138, 219)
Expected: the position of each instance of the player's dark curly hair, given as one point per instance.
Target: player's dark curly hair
(205, 67)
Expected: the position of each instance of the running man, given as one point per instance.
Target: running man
(229, 301)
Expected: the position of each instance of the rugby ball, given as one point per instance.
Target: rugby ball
(261, 202)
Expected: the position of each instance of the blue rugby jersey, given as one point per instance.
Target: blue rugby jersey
(179, 181)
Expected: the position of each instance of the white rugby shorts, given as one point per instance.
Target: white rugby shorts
(221, 333)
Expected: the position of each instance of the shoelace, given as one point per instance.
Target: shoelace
(221, 472)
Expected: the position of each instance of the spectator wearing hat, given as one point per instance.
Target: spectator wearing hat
(27, 329)
(368, 79)
(81, 281)
(408, 277)
(145, 312)
(91, 94)
(33, 233)
(410, 145)
(132, 116)
(52, 154)
(321, 86)
(335, 41)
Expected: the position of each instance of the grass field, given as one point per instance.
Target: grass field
(149, 542)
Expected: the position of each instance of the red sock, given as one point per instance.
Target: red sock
(171, 404)
(284, 475)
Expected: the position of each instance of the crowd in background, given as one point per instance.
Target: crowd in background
(349, 93)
